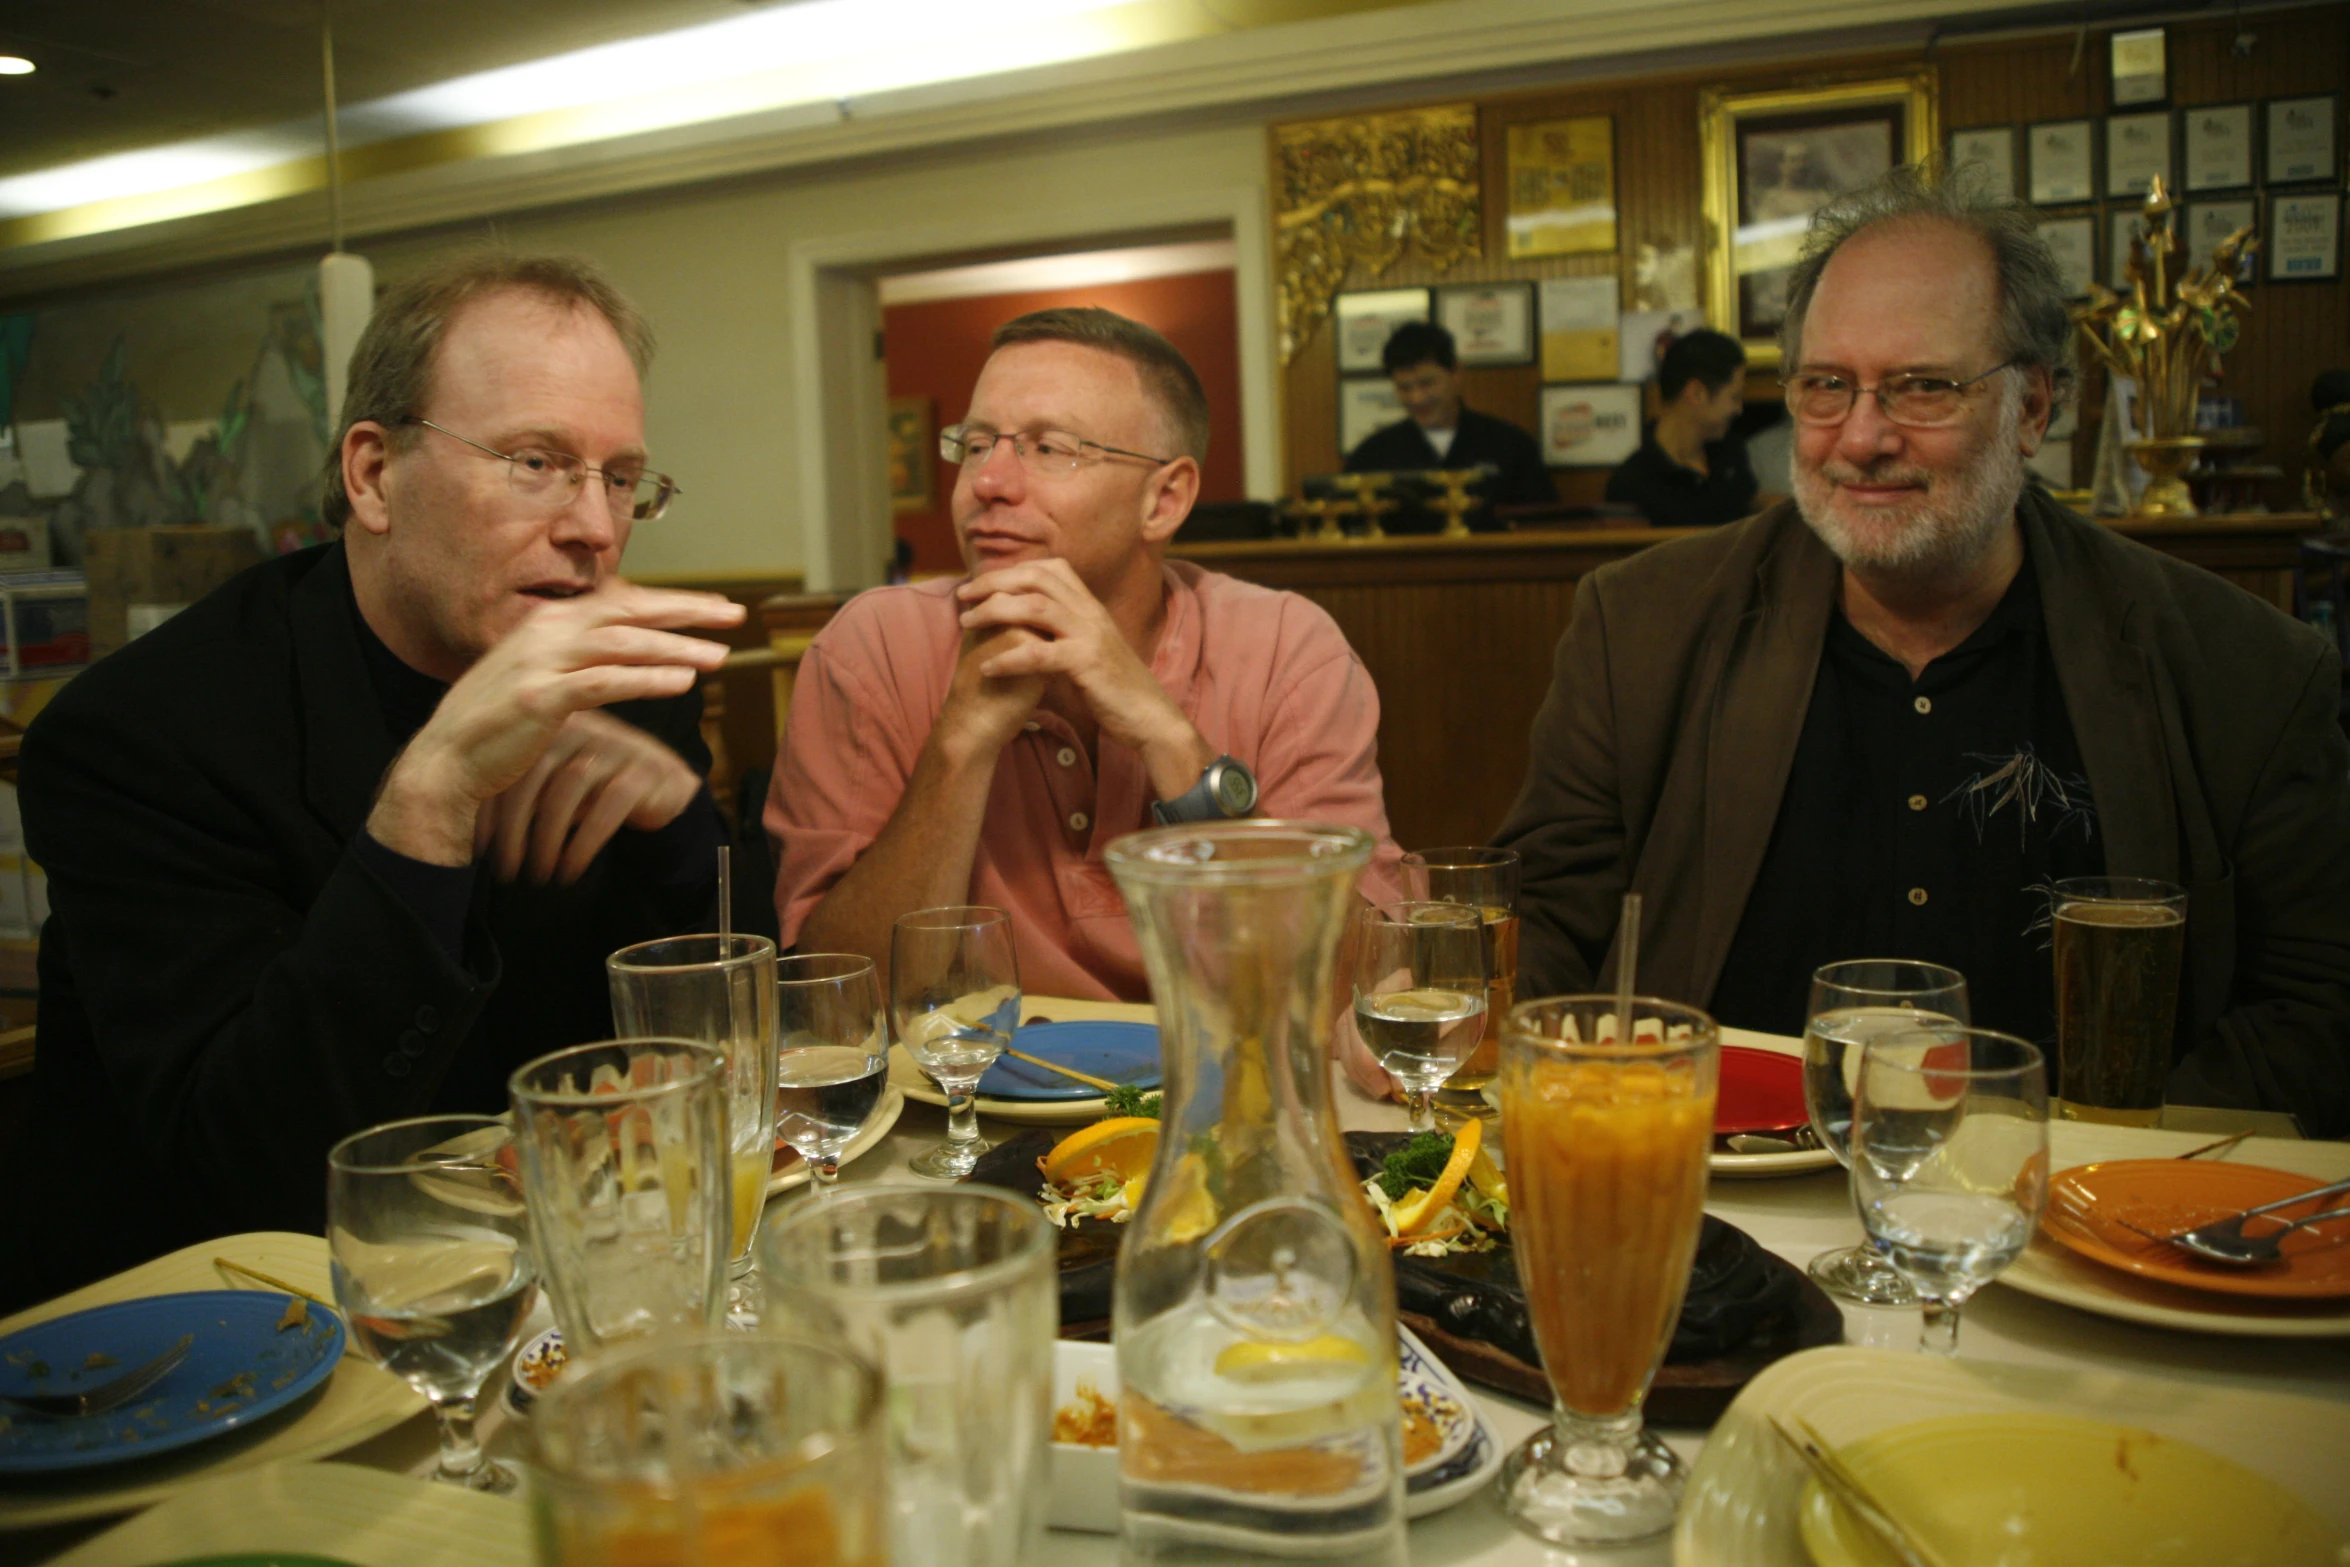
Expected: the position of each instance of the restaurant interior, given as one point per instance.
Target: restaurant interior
(825, 208)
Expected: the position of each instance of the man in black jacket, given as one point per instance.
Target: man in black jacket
(348, 840)
(1442, 433)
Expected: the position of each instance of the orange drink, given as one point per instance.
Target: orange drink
(1606, 1146)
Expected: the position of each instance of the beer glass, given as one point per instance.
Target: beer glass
(1419, 982)
(1607, 1141)
(954, 994)
(714, 1449)
(2118, 944)
(1486, 880)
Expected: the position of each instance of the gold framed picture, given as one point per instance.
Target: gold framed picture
(1562, 184)
(913, 456)
(1774, 158)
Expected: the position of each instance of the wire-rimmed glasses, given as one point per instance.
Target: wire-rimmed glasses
(631, 494)
(1918, 402)
(1039, 451)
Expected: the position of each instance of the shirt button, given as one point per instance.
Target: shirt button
(1924, 704)
(427, 1020)
(398, 1066)
(1079, 821)
(1917, 895)
(1917, 802)
(412, 1043)
(1067, 758)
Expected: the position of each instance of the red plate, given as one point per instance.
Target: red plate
(1762, 1091)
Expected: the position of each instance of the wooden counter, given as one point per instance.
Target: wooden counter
(1459, 635)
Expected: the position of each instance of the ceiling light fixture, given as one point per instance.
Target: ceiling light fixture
(16, 65)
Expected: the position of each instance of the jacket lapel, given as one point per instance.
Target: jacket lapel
(345, 745)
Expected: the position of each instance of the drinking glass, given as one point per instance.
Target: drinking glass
(714, 1449)
(954, 1293)
(624, 1166)
(1607, 1144)
(1487, 880)
(1419, 982)
(1949, 1160)
(832, 1056)
(954, 995)
(1852, 1003)
(719, 990)
(430, 1245)
(2118, 944)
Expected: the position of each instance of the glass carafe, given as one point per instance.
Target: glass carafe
(1254, 1311)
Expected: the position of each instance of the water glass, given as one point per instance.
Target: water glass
(719, 990)
(1608, 1143)
(954, 1293)
(2118, 940)
(430, 1245)
(1419, 983)
(1486, 880)
(1949, 1161)
(954, 996)
(624, 1166)
(714, 1449)
(832, 1055)
(1852, 1003)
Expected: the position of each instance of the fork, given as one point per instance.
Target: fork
(111, 1394)
(2224, 1240)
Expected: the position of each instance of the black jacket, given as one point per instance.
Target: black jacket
(1480, 438)
(227, 989)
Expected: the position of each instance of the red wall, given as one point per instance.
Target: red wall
(935, 350)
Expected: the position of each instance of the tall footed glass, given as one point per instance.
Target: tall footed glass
(1607, 1145)
(1254, 1308)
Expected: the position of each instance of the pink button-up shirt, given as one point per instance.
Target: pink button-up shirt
(1265, 676)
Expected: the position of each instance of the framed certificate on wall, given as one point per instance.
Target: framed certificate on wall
(1490, 323)
(2301, 138)
(2073, 242)
(1366, 320)
(1590, 426)
(2137, 152)
(2207, 225)
(2305, 238)
(1990, 151)
(2218, 147)
(2062, 170)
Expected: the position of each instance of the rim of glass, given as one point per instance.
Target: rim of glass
(1467, 915)
(1040, 1239)
(1186, 853)
(2074, 889)
(2034, 1056)
(841, 965)
(952, 916)
(335, 1159)
(710, 1067)
(1710, 1034)
(1462, 857)
(756, 947)
(1820, 976)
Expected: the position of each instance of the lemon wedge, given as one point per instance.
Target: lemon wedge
(1252, 1361)
(1414, 1212)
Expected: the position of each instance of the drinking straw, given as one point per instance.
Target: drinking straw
(1627, 958)
(725, 900)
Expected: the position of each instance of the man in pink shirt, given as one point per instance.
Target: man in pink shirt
(984, 740)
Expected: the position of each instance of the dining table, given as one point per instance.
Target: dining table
(1792, 1216)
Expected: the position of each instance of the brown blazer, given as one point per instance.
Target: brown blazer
(2206, 720)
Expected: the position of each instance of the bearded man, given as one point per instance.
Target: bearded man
(1879, 720)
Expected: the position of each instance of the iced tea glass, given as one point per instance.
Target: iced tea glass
(714, 1449)
(1486, 880)
(1607, 1141)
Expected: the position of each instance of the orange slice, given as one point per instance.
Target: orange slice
(1122, 1146)
(1418, 1208)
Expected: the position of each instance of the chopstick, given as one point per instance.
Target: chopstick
(1087, 1078)
(258, 1276)
(1852, 1494)
(2220, 1147)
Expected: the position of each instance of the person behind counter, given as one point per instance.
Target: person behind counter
(1443, 433)
(1692, 471)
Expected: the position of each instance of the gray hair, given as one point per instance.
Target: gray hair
(2035, 325)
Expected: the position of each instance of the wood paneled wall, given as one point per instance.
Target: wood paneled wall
(2293, 331)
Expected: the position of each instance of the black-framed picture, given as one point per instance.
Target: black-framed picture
(2122, 225)
(2205, 225)
(1365, 403)
(1367, 319)
(2304, 240)
(2141, 66)
(2137, 153)
(2072, 240)
(2217, 143)
(1991, 150)
(2062, 168)
(2301, 138)
(1590, 426)
(1490, 323)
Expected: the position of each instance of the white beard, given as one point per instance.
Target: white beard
(1945, 528)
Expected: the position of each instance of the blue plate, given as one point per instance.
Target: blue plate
(1120, 1052)
(241, 1367)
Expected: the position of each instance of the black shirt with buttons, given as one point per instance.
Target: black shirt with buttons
(1922, 819)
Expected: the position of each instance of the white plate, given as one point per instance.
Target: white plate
(360, 1400)
(342, 1512)
(2054, 1273)
(1744, 1493)
(885, 1115)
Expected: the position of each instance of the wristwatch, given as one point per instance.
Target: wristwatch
(1227, 789)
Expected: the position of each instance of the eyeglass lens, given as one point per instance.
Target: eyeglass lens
(629, 497)
(1921, 402)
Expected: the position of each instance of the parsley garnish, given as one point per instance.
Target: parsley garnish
(1126, 1099)
(1417, 1163)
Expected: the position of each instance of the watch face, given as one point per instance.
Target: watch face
(1236, 790)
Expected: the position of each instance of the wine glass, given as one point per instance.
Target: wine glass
(1950, 1160)
(1852, 1003)
(954, 997)
(1487, 880)
(832, 1056)
(430, 1244)
(1419, 984)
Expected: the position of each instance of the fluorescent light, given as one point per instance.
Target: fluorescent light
(16, 65)
(1084, 269)
(150, 169)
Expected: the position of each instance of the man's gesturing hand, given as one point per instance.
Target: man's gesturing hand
(596, 776)
(618, 644)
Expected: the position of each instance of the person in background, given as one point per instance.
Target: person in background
(1691, 470)
(1879, 720)
(985, 739)
(1442, 432)
(348, 840)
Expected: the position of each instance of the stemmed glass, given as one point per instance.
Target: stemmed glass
(1852, 1003)
(1419, 982)
(832, 1056)
(1950, 1161)
(432, 1265)
(954, 998)
(1486, 880)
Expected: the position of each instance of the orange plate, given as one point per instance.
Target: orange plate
(2086, 1203)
